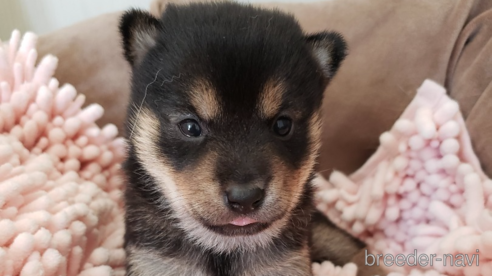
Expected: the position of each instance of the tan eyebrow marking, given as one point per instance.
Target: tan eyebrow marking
(204, 99)
(271, 98)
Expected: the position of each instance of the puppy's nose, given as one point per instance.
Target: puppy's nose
(244, 198)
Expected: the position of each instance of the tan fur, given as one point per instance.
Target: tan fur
(365, 270)
(302, 174)
(205, 197)
(315, 127)
(340, 248)
(271, 99)
(204, 99)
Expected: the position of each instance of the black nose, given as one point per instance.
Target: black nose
(244, 198)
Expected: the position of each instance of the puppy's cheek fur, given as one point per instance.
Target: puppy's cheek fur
(287, 185)
(314, 135)
(192, 190)
(145, 137)
(201, 191)
(301, 175)
(284, 189)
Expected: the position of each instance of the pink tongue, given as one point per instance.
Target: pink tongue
(242, 221)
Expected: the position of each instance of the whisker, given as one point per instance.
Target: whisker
(171, 80)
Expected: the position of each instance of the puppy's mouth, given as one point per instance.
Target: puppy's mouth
(241, 226)
(243, 221)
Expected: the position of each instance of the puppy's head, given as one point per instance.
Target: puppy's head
(225, 114)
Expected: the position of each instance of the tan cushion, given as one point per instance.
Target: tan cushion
(90, 57)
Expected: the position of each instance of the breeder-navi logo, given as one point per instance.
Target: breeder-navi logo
(459, 260)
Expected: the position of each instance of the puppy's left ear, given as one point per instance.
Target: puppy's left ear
(139, 31)
(329, 49)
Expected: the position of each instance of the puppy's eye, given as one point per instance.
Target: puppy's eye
(190, 128)
(282, 126)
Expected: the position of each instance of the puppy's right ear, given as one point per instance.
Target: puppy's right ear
(139, 31)
(329, 49)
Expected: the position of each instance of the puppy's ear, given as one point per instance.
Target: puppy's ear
(139, 32)
(329, 49)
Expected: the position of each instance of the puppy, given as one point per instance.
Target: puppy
(223, 131)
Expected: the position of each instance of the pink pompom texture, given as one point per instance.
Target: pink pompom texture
(61, 211)
(422, 190)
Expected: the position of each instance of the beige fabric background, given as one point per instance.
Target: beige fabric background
(393, 47)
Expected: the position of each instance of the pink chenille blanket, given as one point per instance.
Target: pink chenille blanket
(422, 193)
(60, 189)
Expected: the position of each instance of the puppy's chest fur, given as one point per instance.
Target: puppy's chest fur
(145, 262)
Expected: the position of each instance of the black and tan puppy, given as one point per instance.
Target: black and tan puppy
(223, 133)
